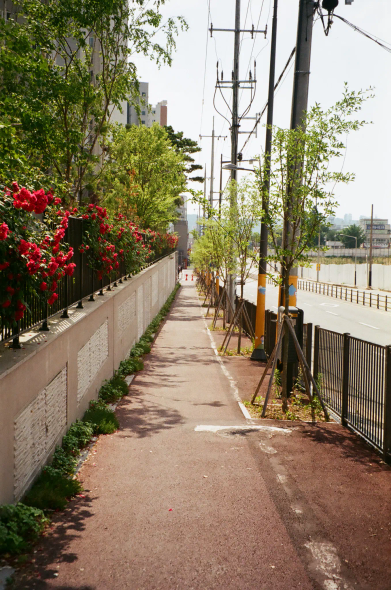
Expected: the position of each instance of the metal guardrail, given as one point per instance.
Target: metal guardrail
(365, 298)
(354, 376)
(355, 379)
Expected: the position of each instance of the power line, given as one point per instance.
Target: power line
(275, 88)
(364, 33)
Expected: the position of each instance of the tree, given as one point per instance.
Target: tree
(185, 146)
(352, 230)
(64, 67)
(301, 195)
(143, 176)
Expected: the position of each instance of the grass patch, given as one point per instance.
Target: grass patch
(299, 408)
(103, 421)
(52, 491)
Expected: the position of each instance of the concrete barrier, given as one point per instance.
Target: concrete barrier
(343, 274)
(48, 384)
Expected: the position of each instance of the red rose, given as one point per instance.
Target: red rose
(4, 265)
(43, 286)
(18, 315)
(4, 230)
(6, 303)
(10, 290)
(52, 298)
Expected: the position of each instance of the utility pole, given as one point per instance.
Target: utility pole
(221, 184)
(235, 84)
(299, 106)
(370, 252)
(258, 353)
(212, 164)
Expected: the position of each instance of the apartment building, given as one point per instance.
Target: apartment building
(381, 232)
(148, 114)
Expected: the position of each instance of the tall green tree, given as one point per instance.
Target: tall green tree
(186, 147)
(352, 230)
(143, 176)
(64, 67)
(302, 184)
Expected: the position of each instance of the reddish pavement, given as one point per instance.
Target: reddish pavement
(167, 506)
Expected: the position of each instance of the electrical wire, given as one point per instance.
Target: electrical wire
(364, 33)
(275, 88)
(252, 49)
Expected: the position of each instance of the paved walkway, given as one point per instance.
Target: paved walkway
(173, 501)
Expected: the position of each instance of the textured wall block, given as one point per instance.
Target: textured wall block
(126, 314)
(36, 430)
(91, 357)
(140, 311)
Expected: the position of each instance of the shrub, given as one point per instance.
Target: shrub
(52, 490)
(130, 365)
(113, 390)
(77, 437)
(20, 525)
(104, 421)
(63, 462)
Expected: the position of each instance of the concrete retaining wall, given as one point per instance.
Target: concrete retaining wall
(49, 383)
(343, 274)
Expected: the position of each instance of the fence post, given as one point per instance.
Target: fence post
(387, 408)
(370, 299)
(386, 302)
(65, 286)
(15, 333)
(345, 379)
(308, 346)
(316, 352)
(378, 300)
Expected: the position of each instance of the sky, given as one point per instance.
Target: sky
(344, 56)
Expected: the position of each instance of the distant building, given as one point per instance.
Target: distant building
(148, 114)
(381, 232)
(335, 245)
(181, 228)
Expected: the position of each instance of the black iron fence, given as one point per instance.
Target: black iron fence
(364, 298)
(355, 378)
(84, 284)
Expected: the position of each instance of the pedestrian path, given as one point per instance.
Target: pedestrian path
(169, 506)
(189, 494)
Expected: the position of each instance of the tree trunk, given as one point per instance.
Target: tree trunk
(285, 345)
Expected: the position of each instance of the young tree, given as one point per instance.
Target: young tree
(143, 176)
(347, 235)
(64, 67)
(302, 185)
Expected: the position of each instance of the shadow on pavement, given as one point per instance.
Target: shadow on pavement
(53, 547)
(347, 442)
(141, 418)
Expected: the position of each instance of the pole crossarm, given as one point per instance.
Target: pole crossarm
(252, 31)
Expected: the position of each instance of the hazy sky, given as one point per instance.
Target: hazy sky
(345, 55)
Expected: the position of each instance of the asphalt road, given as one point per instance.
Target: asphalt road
(368, 324)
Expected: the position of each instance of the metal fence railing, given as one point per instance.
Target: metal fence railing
(355, 379)
(83, 284)
(350, 294)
